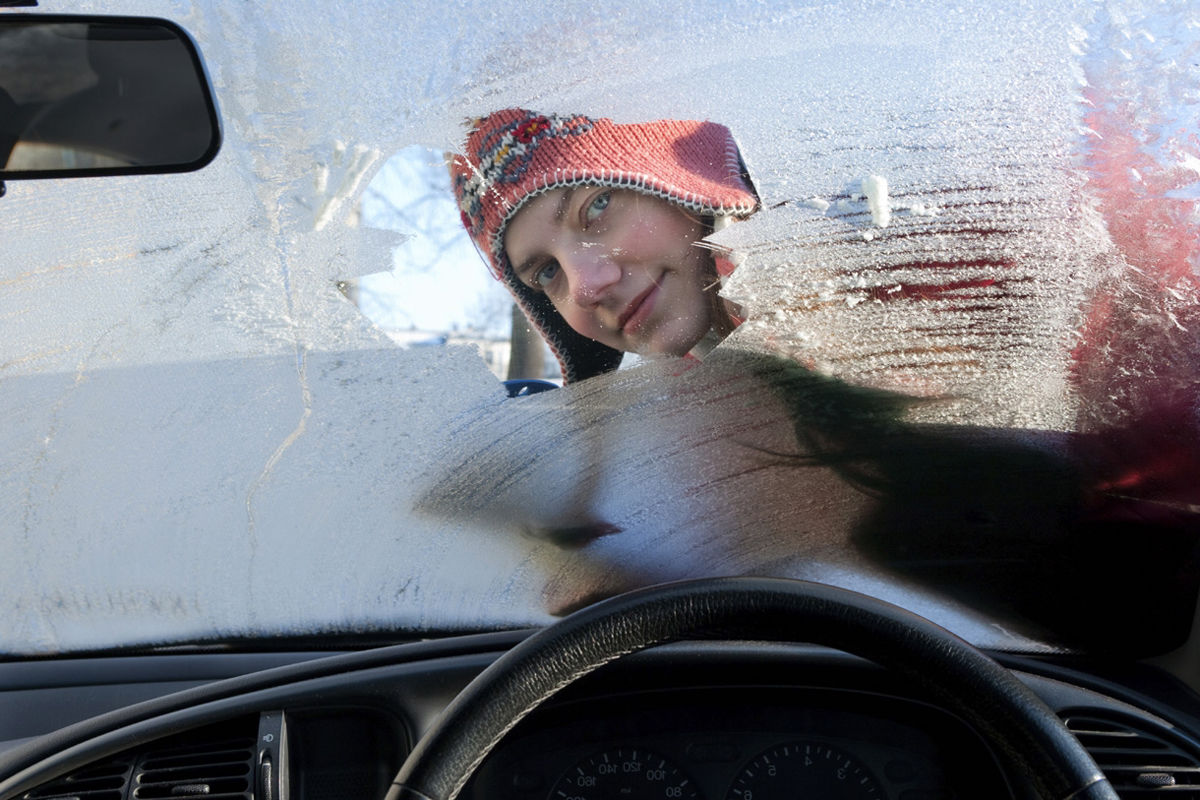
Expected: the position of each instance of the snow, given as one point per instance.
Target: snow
(875, 188)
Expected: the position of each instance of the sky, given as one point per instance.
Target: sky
(438, 281)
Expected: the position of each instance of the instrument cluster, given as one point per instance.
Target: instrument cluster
(760, 743)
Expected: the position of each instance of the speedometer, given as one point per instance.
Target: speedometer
(624, 774)
(804, 769)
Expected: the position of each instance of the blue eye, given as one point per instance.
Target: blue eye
(545, 275)
(597, 206)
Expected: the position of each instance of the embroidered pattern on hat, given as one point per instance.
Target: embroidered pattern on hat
(504, 155)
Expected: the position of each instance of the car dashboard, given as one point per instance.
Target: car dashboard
(717, 721)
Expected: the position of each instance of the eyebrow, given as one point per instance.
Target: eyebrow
(563, 203)
(560, 211)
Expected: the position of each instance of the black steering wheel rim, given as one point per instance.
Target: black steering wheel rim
(1012, 719)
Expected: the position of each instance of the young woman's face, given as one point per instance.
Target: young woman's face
(621, 267)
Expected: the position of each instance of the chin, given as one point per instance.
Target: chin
(677, 342)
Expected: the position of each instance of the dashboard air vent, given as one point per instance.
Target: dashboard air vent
(215, 768)
(105, 780)
(1138, 758)
(216, 762)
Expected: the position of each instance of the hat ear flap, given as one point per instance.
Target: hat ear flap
(578, 356)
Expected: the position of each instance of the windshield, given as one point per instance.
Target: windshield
(956, 365)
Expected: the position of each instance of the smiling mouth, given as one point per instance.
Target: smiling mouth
(637, 311)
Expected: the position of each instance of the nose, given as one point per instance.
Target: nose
(591, 273)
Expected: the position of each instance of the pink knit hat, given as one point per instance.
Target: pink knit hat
(514, 155)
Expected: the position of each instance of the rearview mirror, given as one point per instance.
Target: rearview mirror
(82, 96)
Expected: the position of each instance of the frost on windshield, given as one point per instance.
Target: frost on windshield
(991, 212)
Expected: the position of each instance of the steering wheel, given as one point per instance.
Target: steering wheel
(1016, 723)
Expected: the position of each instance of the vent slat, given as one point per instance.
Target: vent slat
(1140, 746)
(194, 776)
(217, 769)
